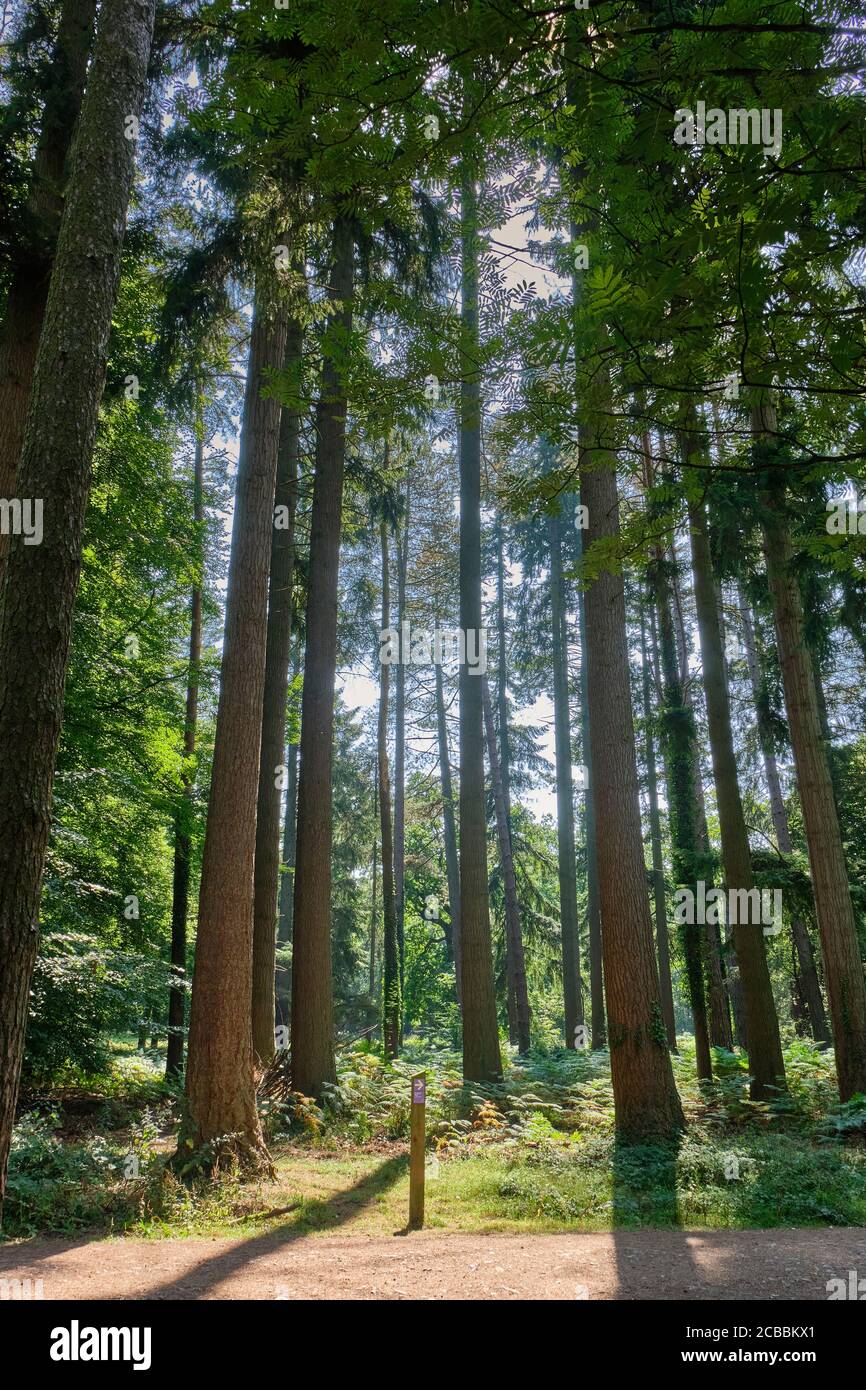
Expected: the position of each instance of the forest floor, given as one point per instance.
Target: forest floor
(675, 1265)
(529, 1194)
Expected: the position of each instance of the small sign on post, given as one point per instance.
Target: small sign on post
(417, 1141)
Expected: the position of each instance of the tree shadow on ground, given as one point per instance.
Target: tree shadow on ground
(320, 1214)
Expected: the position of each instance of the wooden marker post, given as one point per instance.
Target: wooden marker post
(417, 1141)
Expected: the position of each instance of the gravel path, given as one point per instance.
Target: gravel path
(630, 1265)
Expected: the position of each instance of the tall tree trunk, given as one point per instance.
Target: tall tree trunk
(809, 988)
(56, 458)
(449, 830)
(512, 905)
(505, 765)
(373, 911)
(27, 295)
(287, 872)
(402, 557)
(278, 655)
(645, 1097)
(678, 733)
(481, 1057)
(662, 945)
(719, 1017)
(313, 1063)
(843, 969)
(391, 994)
(593, 911)
(220, 1078)
(290, 825)
(571, 982)
(182, 841)
(766, 1065)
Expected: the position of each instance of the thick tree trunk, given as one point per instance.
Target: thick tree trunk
(313, 1062)
(593, 912)
(27, 294)
(220, 1077)
(571, 982)
(645, 1096)
(662, 944)
(449, 829)
(391, 996)
(843, 969)
(41, 581)
(809, 987)
(481, 1057)
(766, 1065)
(279, 645)
(182, 842)
(512, 905)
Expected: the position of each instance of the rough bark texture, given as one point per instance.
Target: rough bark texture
(571, 982)
(41, 581)
(645, 1096)
(481, 1057)
(593, 912)
(182, 843)
(278, 655)
(449, 829)
(27, 296)
(843, 969)
(391, 1009)
(220, 1079)
(809, 988)
(766, 1066)
(287, 882)
(312, 992)
(513, 928)
(659, 905)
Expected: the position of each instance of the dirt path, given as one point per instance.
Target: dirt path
(631, 1265)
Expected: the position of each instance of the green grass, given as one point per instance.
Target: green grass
(535, 1153)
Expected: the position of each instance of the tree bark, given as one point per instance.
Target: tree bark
(56, 459)
(278, 655)
(806, 972)
(27, 295)
(481, 1057)
(678, 732)
(391, 995)
(220, 1076)
(593, 912)
(571, 982)
(766, 1065)
(313, 1063)
(402, 557)
(513, 929)
(449, 829)
(645, 1097)
(843, 969)
(182, 841)
(659, 904)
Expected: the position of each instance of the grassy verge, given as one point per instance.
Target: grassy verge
(536, 1153)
